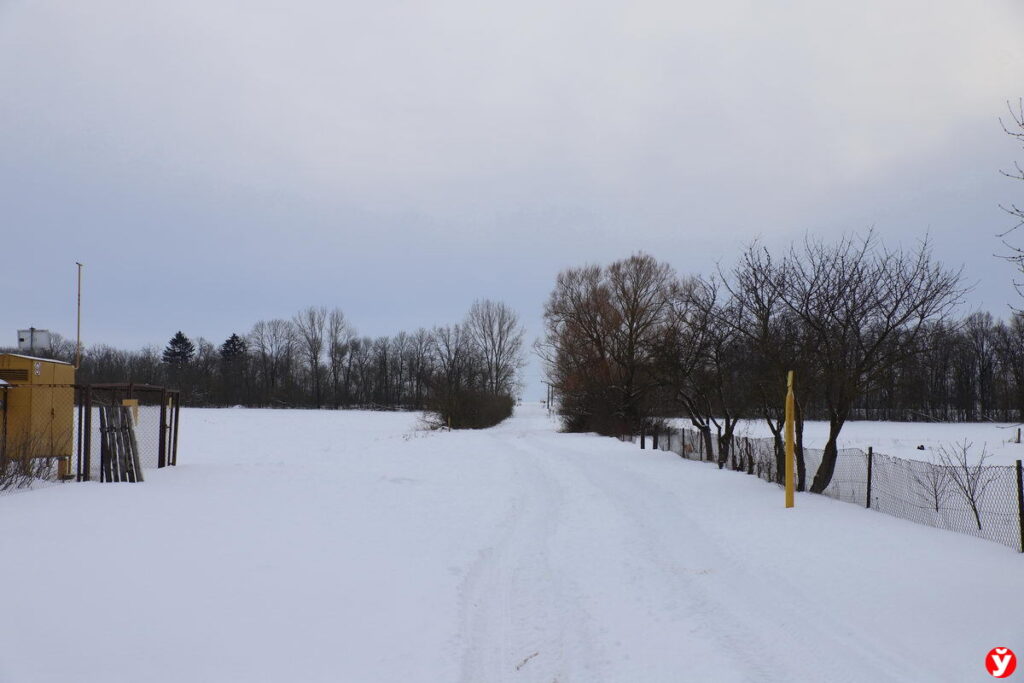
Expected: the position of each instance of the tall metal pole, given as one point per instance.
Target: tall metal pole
(78, 343)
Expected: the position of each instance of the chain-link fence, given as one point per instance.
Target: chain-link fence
(154, 420)
(64, 432)
(37, 434)
(986, 501)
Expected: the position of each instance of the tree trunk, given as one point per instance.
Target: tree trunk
(780, 458)
(723, 448)
(801, 467)
(705, 434)
(726, 447)
(823, 477)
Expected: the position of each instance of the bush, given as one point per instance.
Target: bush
(469, 409)
(21, 463)
(587, 413)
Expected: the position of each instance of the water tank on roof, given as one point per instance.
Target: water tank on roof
(33, 340)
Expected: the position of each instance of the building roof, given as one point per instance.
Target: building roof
(45, 360)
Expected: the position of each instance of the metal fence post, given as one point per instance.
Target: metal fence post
(87, 437)
(174, 432)
(1020, 504)
(871, 458)
(78, 425)
(161, 457)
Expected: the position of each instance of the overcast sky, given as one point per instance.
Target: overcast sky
(216, 163)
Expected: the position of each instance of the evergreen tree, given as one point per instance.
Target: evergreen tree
(180, 350)
(233, 375)
(233, 348)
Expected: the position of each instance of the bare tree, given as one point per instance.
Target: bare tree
(933, 483)
(863, 307)
(259, 342)
(339, 339)
(498, 336)
(1009, 344)
(452, 349)
(775, 343)
(603, 330)
(362, 369)
(682, 353)
(399, 368)
(382, 380)
(310, 324)
(967, 479)
(273, 343)
(420, 364)
(61, 348)
(203, 370)
(574, 349)
(1014, 127)
(730, 371)
(639, 290)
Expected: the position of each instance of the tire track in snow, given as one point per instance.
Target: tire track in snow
(726, 606)
(521, 620)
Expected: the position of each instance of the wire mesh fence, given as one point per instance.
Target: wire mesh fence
(986, 501)
(154, 417)
(63, 432)
(37, 434)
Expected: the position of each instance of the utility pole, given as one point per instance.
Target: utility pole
(78, 342)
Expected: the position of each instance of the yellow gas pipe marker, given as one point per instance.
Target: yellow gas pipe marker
(790, 438)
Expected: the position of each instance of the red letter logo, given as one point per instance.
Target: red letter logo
(1001, 662)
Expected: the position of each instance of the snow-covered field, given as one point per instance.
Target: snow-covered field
(348, 546)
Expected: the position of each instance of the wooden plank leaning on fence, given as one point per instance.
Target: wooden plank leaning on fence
(105, 469)
(119, 465)
(132, 441)
(119, 448)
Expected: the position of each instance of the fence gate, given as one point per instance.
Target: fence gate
(126, 429)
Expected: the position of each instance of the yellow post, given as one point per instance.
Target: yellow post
(790, 439)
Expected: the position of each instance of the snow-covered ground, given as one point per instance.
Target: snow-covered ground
(349, 546)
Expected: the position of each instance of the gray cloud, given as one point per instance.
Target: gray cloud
(219, 162)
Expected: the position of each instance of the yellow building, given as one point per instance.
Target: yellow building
(38, 409)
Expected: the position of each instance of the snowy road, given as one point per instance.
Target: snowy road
(326, 546)
(602, 572)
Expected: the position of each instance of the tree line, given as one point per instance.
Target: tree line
(465, 374)
(870, 332)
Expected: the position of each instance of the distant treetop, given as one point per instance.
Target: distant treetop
(180, 350)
